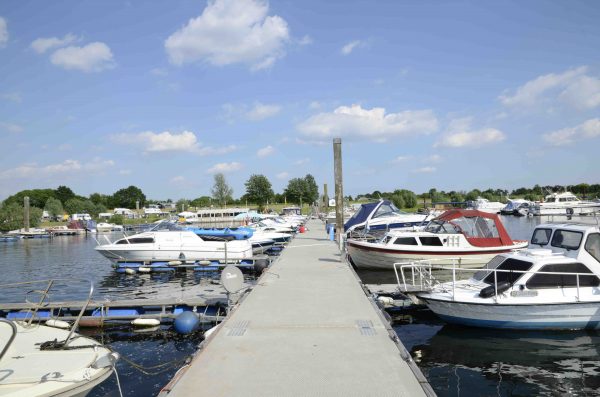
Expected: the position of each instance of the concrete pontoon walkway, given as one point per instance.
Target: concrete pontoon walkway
(306, 329)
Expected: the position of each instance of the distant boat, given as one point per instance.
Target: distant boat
(466, 237)
(518, 207)
(565, 203)
(481, 204)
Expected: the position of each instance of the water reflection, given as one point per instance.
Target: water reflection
(471, 361)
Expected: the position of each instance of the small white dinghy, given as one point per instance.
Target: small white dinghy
(35, 361)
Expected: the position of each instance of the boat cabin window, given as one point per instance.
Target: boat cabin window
(406, 241)
(563, 280)
(567, 239)
(442, 227)
(513, 269)
(541, 236)
(431, 241)
(592, 245)
(136, 240)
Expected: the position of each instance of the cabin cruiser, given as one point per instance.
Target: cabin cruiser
(481, 204)
(173, 245)
(553, 285)
(265, 226)
(565, 203)
(518, 207)
(382, 215)
(467, 237)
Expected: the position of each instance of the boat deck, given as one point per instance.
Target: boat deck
(307, 328)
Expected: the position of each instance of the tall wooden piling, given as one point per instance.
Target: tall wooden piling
(26, 213)
(339, 192)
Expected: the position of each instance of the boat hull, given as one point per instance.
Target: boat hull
(576, 209)
(383, 259)
(575, 315)
(172, 254)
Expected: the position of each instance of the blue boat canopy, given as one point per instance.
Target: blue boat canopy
(363, 213)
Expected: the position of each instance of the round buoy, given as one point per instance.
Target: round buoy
(186, 323)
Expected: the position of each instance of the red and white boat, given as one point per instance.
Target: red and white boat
(466, 238)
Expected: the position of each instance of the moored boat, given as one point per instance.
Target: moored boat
(553, 286)
(565, 203)
(467, 237)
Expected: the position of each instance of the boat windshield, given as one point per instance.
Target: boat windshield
(477, 227)
(512, 270)
(387, 210)
(437, 226)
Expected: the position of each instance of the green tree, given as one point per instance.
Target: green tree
(98, 198)
(127, 197)
(398, 200)
(182, 204)
(54, 207)
(473, 194)
(258, 190)
(117, 219)
(12, 217)
(37, 197)
(221, 191)
(295, 191)
(203, 201)
(64, 194)
(311, 193)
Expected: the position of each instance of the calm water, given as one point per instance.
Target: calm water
(456, 360)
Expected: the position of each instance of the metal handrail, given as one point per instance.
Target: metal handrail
(12, 337)
(419, 265)
(45, 293)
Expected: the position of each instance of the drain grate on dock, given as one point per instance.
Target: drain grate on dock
(365, 327)
(238, 328)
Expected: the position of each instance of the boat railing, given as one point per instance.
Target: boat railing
(12, 336)
(46, 287)
(422, 277)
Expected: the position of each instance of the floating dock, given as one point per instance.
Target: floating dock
(306, 328)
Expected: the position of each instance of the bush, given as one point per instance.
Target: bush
(117, 219)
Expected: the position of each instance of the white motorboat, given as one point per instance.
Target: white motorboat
(481, 204)
(565, 203)
(553, 286)
(41, 360)
(518, 207)
(167, 245)
(382, 215)
(469, 236)
(264, 226)
(104, 227)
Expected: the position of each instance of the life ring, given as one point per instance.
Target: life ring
(570, 211)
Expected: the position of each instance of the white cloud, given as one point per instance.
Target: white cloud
(12, 96)
(3, 32)
(375, 124)
(177, 180)
(302, 161)
(314, 105)
(573, 87)
(424, 170)
(224, 168)
(282, 175)
(125, 172)
(67, 167)
(229, 32)
(305, 40)
(401, 159)
(434, 158)
(44, 44)
(261, 111)
(10, 127)
(166, 141)
(93, 57)
(351, 46)
(459, 134)
(587, 130)
(265, 151)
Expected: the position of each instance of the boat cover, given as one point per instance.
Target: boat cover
(481, 229)
(363, 213)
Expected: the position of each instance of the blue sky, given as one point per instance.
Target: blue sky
(99, 95)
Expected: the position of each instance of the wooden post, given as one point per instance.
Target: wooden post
(339, 192)
(26, 212)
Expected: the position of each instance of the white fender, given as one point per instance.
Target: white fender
(145, 322)
(58, 324)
